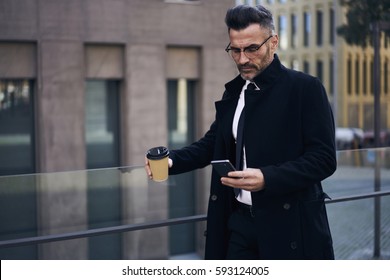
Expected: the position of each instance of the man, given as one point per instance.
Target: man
(274, 207)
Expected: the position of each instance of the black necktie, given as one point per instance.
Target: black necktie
(239, 138)
(251, 86)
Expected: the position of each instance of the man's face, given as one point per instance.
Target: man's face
(252, 36)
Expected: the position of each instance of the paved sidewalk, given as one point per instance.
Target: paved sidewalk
(352, 222)
(352, 226)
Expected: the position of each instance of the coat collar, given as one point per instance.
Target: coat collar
(264, 80)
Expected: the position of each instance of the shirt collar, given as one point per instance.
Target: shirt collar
(253, 82)
(264, 80)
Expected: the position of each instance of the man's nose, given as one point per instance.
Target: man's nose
(242, 59)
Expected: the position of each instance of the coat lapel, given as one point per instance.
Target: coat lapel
(225, 110)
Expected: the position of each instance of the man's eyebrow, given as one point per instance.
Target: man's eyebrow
(251, 45)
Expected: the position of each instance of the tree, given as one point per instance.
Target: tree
(361, 17)
(366, 19)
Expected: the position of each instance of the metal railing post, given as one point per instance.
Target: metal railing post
(377, 208)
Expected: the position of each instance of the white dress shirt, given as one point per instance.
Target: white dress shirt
(244, 196)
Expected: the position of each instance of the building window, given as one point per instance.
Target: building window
(306, 67)
(365, 89)
(181, 117)
(282, 25)
(306, 28)
(349, 76)
(372, 77)
(102, 123)
(357, 76)
(102, 145)
(320, 70)
(16, 127)
(319, 28)
(181, 128)
(331, 75)
(295, 64)
(385, 77)
(294, 24)
(331, 26)
(183, 72)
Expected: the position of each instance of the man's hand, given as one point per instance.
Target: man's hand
(149, 171)
(250, 179)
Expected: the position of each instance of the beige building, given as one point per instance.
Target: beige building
(308, 43)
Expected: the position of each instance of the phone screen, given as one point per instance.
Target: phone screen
(223, 167)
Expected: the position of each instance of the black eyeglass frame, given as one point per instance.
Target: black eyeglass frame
(253, 48)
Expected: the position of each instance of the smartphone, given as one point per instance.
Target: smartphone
(223, 167)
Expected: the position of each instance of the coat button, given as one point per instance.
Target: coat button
(286, 206)
(293, 245)
(214, 197)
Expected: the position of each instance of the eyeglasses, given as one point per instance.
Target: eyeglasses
(250, 52)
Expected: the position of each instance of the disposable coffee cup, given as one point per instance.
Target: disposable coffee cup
(158, 162)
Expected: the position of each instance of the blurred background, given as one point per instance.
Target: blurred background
(92, 84)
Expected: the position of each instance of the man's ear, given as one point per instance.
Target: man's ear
(274, 42)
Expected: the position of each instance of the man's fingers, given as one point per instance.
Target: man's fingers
(147, 168)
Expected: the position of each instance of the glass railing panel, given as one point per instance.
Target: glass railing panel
(77, 200)
(67, 202)
(357, 171)
(353, 222)
(352, 226)
(18, 214)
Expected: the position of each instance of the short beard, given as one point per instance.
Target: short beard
(244, 74)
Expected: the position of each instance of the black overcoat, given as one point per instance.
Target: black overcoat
(288, 134)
